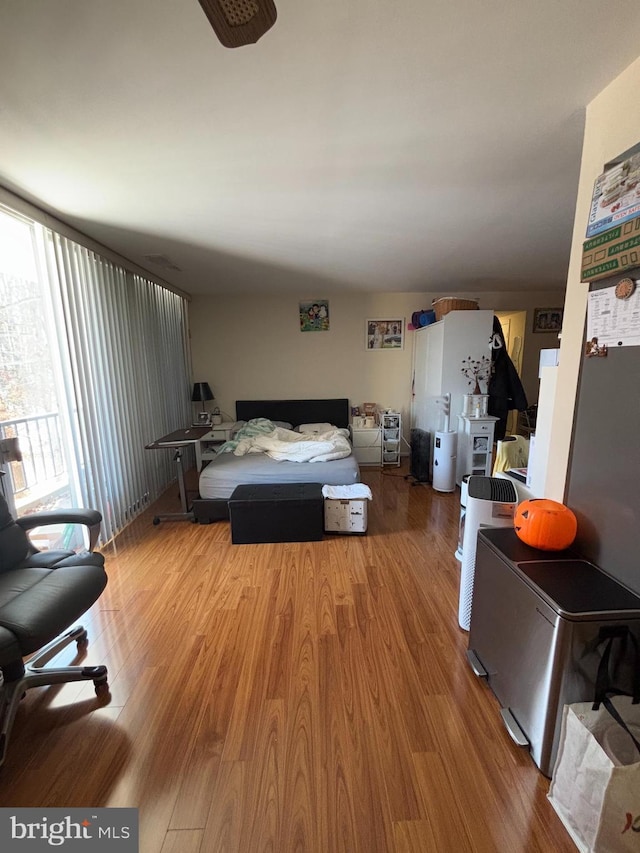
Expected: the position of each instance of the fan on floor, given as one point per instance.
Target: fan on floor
(240, 22)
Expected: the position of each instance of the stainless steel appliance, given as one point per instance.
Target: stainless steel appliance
(535, 634)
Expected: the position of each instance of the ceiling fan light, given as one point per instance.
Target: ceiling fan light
(238, 12)
(239, 22)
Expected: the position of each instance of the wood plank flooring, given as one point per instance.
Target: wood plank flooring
(293, 698)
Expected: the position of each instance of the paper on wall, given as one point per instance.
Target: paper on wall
(614, 322)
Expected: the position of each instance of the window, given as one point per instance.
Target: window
(94, 365)
(29, 392)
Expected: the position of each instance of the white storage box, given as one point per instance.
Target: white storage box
(345, 515)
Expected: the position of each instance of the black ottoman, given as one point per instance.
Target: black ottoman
(279, 512)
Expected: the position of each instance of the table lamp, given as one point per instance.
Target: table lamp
(200, 394)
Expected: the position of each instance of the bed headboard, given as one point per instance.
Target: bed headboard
(296, 412)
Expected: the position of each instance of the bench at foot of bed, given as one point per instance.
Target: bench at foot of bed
(206, 511)
(278, 512)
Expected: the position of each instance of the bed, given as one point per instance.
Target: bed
(226, 471)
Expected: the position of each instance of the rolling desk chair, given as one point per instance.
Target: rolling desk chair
(42, 593)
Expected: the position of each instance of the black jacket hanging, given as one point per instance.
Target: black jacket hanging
(506, 391)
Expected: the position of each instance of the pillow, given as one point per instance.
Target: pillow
(315, 428)
(283, 424)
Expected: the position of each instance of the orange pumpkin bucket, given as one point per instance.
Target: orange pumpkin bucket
(545, 524)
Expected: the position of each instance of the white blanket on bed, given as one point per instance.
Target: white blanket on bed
(286, 445)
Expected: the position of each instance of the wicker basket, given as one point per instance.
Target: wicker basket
(452, 303)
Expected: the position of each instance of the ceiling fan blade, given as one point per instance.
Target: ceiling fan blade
(240, 22)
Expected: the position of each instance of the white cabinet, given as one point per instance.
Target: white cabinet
(367, 445)
(391, 436)
(439, 350)
(475, 446)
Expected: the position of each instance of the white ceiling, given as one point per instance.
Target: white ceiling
(373, 145)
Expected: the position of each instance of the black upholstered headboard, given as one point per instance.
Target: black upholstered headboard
(296, 412)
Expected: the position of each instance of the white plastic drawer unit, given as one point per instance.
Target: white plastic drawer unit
(391, 432)
(367, 445)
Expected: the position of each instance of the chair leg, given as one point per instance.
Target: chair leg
(36, 674)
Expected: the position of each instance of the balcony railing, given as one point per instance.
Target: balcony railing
(43, 468)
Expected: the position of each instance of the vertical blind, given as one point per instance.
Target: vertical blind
(123, 342)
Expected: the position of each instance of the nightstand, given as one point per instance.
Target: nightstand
(367, 445)
(210, 441)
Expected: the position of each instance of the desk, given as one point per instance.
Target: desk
(178, 440)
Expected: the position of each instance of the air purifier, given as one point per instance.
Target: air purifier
(444, 461)
(491, 502)
(420, 455)
(464, 497)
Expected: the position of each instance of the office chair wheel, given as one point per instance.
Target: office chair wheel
(82, 640)
(156, 521)
(100, 682)
(101, 687)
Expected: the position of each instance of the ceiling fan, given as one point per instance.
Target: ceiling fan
(240, 22)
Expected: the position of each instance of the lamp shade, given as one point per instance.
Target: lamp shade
(201, 392)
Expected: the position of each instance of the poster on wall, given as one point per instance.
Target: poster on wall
(547, 319)
(314, 316)
(613, 316)
(385, 334)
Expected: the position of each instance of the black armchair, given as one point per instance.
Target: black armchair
(42, 593)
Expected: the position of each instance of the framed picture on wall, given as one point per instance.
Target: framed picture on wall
(547, 319)
(384, 334)
(314, 316)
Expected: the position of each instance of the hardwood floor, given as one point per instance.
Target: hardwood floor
(287, 697)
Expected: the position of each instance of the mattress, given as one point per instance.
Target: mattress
(226, 471)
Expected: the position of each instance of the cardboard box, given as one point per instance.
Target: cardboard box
(345, 515)
(616, 196)
(612, 252)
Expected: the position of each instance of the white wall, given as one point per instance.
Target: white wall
(252, 347)
(612, 127)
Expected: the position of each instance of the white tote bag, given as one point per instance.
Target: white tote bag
(595, 787)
